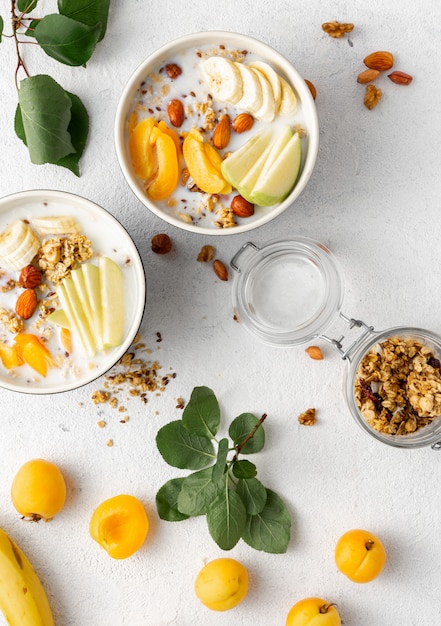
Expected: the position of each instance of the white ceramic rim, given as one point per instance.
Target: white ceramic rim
(241, 42)
(137, 301)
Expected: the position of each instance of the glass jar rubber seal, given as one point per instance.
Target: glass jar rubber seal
(290, 291)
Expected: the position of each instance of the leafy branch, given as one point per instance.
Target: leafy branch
(226, 490)
(53, 123)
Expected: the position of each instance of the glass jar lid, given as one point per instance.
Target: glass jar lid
(287, 292)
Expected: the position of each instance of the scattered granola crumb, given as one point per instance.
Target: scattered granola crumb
(100, 397)
(180, 403)
(337, 29)
(109, 443)
(307, 418)
(101, 423)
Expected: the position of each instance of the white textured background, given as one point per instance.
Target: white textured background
(374, 199)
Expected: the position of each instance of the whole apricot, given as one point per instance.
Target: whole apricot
(119, 525)
(38, 490)
(360, 555)
(222, 584)
(313, 612)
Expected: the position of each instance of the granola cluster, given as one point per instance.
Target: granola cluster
(59, 255)
(398, 386)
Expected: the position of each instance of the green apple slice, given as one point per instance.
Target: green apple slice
(274, 184)
(91, 275)
(59, 318)
(113, 300)
(80, 285)
(235, 167)
(78, 322)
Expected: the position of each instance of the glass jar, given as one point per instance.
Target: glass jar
(289, 292)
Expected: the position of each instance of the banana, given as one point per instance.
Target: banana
(223, 78)
(23, 600)
(18, 246)
(267, 110)
(56, 225)
(251, 100)
(272, 77)
(288, 103)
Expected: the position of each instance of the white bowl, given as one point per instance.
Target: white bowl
(108, 238)
(178, 51)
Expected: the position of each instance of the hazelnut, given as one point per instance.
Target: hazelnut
(30, 277)
(173, 70)
(161, 244)
(241, 207)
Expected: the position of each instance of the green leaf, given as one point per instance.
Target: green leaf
(30, 31)
(78, 129)
(66, 40)
(45, 110)
(198, 492)
(26, 6)
(241, 427)
(166, 500)
(220, 465)
(183, 449)
(1, 27)
(253, 495)
(226, 519)
(88, 12)
(244, 469)
(202, 414)
(270, 529)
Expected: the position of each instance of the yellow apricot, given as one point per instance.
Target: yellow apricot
(34, 352)
(205, 174)
(119, 525)
(10, 356)
(222, 584)
(172, 133)
(141, 150)
(167, 174)
(38, 490)
(133, 120)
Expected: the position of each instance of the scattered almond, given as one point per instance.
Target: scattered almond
(400, 78)
(312, 88)
(314, 352)
(206, 254)
(30, 277)
(241, 207)
(26, 304)
(161, 244)
(372, 96)
(220, 270)
(367, 76)
(243, 122)
(380, 60)
(175, 112)
(222, 132)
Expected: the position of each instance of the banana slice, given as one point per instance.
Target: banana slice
(288, 103)
(272, 77)
(56, 225)
(223, 78)
(267, 110)
(18, 246)
(251, 100)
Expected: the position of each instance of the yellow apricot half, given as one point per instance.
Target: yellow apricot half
(167, 174)
(38, 490)
(34, 352)
(119, 525)
(205, 174)
(140, 148)
(10, 356)
(222, 584)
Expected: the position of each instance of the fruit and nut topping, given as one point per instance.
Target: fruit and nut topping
(398, 386)
(161, 244)
(337, 29)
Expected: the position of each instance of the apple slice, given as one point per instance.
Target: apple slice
(91, 275)
(80, 285)
(235, 167)
(274, 184)
(78, 322)
(113, 302)
(59, 318)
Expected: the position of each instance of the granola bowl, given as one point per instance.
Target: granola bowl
(393, 387)
(180, 91)
(67, 270)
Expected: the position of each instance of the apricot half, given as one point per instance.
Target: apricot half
(203, 164)
(38, 490)
(34, 352)
(119, 525)
(222, 584)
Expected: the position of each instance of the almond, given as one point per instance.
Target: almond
(220, 270)
(243, 122)
(314, 352)
(379, 60)
(30, 277)
(26, 304)
(368, 76)
(175, 112)
(400, 78)
(222, 132)
(241, 207)
(312, 88)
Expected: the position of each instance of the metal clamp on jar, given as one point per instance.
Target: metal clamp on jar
(289, 292)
